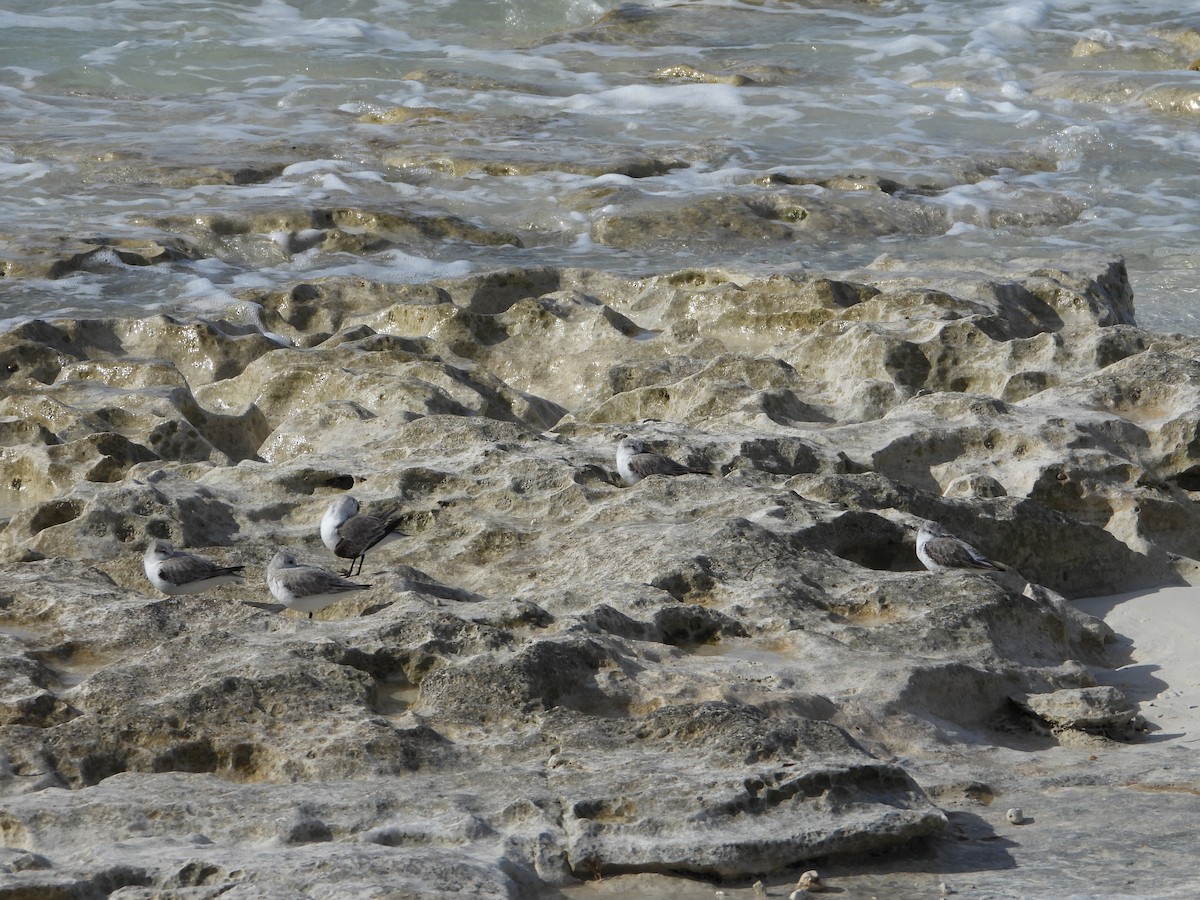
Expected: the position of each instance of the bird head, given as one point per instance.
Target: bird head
(282, 560)
(159, 549)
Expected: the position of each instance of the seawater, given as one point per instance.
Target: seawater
(902, 89)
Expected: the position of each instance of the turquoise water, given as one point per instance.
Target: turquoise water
(117, 116)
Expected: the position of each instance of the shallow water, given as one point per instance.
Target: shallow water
(128, 119)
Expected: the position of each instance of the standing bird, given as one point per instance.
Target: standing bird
(305, 588)
(176, 572)
(942, 552)
(635, 462)
(350, 534)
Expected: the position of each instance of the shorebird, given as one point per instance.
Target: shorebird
(176, 572)
(305, 588)
(635, 462)
(942, 552)
(350, 534)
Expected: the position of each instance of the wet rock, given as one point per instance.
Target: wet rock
(1158, 91)
(687, 73)
(279, 234)
(529, 161)
(32, 258)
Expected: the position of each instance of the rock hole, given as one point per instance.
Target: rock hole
(1189, 480)
(191, 756)
(245, 760)
(197, 873)
(56, 512)
(95, 768)
(681, 626)
(394, 697)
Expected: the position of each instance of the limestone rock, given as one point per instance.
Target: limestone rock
(1158, 91)
(723, 674)
(766, 818)
(280, 233)
(1097, 709)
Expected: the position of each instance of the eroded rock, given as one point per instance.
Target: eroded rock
(555, 674)
(1097, 709)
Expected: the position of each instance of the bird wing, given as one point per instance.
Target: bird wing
(956, 554)
(186, 568)
(646, 464)
(359, 534)
(308, 581)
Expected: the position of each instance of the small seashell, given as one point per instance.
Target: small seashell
(810, 881)
(946, 889)
(1015, 816)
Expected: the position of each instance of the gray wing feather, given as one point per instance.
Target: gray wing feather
(646, 464)
(958, 554)
(308, 581)
(359, 534)
(185, 568)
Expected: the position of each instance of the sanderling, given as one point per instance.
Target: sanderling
(176, 572)
(635, 462)
(942, 552)
(305, 588)
(350, 534)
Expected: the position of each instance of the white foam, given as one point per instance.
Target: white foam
(201, 293)
(921, 93)
(902, 46)
(632, 100)
(23, 172)
(55, 22)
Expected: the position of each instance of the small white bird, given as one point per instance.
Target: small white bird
(305, 588)
(635, 462)
(350, 534)
(942, 552)
(176, 572)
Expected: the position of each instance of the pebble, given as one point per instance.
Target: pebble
(810, 881)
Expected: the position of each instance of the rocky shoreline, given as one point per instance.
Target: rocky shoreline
(555, 678)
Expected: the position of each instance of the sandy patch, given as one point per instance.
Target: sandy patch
(1159, 632)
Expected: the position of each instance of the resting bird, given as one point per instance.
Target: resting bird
(942, 552)
(350, 534)
(305, 588)
(635, 462)
(176, 572)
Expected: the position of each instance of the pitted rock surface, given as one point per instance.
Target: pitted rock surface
(552, 676)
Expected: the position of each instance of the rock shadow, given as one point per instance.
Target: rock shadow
(865, 539)
(406, 578)
(206, 522)
(968, 844)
